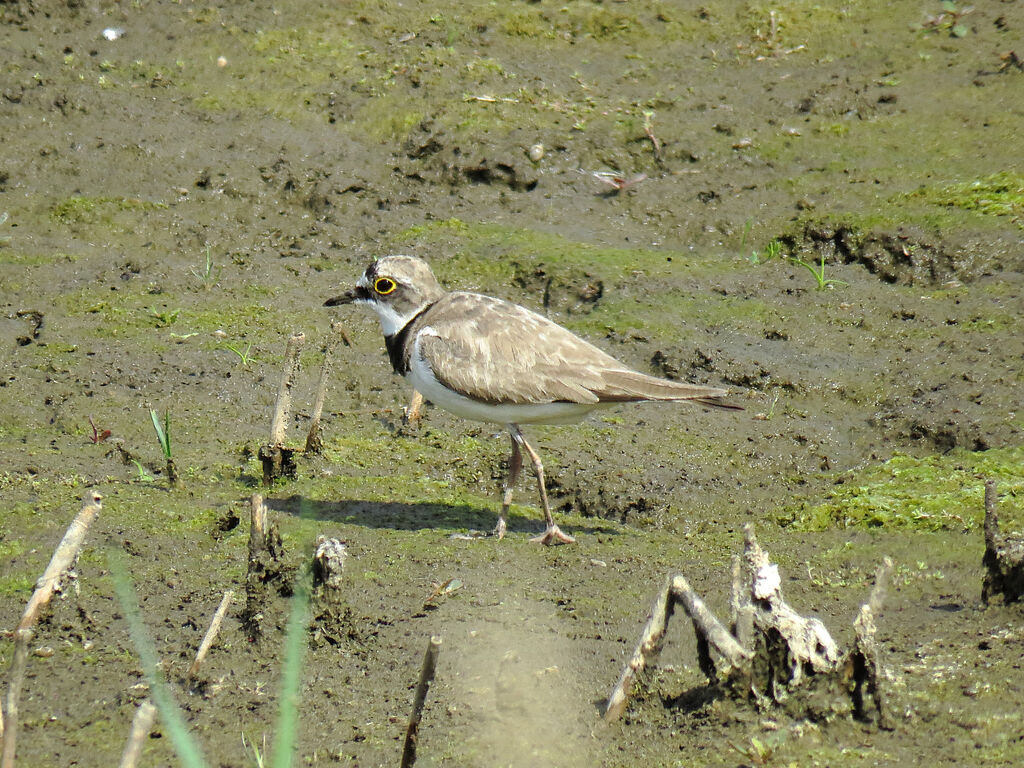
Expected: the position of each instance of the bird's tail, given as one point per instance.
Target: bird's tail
(632, 386)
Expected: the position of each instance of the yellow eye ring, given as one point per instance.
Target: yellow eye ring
(384, 285)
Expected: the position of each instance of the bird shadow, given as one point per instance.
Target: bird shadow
(402, 516)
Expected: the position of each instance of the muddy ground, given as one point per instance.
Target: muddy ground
(182, 197)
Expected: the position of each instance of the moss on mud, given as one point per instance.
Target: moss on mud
(931, 493)
(1001, 194)
(98, 210)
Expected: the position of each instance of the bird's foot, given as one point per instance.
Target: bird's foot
(553, 535)
(413, 412)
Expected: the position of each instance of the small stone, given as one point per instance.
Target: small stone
(536, 153)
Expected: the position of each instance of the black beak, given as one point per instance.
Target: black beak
(356, 294)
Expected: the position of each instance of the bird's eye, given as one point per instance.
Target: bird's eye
(384, 285)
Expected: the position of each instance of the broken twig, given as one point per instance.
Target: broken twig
(63, 559)
(265, 568)
(651, 638)
(278, 460)
(59, 568)
(211, 634)
(864, 663)
(22, 637)
(141, 725)
(283, 405)
(426, 677)
(709, 630)
(314, 443)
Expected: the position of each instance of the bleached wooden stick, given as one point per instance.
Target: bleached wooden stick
(708, 626)
(257, 525)
(710, 634)
(313, 441)
(651, 639)
(63, 559)
(22, 637)
(211, 634)
(283, 406)
(141, 724)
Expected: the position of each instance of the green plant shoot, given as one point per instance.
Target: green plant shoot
(163, 432)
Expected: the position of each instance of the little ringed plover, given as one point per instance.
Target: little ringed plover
(490, 360)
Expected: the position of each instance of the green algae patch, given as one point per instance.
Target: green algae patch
(942, 492)
(34, 259)
(99, 210)
(17, 585)
(1001, 194)
(139, 314)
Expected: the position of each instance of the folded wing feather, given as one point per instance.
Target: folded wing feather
(498, 352)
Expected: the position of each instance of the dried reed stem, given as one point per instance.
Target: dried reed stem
(878, 592)
(426, 676)
(22, 637)
(63, 559)
(141, 725)
(647, 649)
(211, 633)
(313, 442)
(707, 624)
(257, 526)
(283, 406)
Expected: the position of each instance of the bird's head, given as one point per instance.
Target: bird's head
(397, 287)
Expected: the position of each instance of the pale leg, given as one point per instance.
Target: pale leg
(515, 464)
(552, 534)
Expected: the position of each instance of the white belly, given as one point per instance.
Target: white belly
(423, 380)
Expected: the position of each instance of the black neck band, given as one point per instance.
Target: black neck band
(396, 344)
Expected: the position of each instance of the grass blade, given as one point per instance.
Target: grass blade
(167, 434)
(184, 744)
(291, 679)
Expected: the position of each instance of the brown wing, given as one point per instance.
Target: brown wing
(498, 352)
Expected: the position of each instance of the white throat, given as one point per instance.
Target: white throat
(391, 322)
